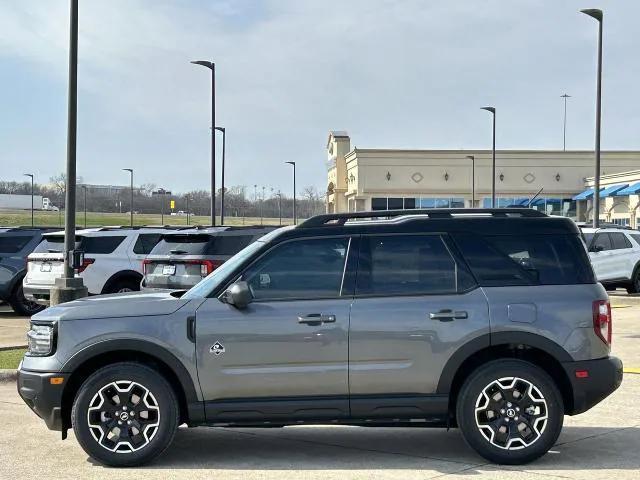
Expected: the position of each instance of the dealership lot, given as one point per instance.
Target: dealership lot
(599, 444)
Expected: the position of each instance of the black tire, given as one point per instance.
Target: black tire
(634, 286)
(124, 285)
(21, 305)
(515, 446)
(92, 406)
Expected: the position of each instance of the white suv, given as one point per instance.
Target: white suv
(615, 256)
(112, 260)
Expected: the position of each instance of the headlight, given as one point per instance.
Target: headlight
(41, 340)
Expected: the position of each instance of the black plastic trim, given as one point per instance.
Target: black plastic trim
(605, 376)
(42, 397)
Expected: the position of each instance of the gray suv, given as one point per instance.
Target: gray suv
(182, 259)
(486, 320)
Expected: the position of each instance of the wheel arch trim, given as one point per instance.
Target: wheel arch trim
(119, 276)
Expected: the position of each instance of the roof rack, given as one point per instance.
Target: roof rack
(333, 219)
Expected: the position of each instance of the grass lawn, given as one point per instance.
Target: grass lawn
(11, 358)
(94, 219)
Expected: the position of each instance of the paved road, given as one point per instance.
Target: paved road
(13, 328)
(601, 444)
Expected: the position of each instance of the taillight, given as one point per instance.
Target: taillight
(145, 262)
(85, 263)
(602, 320)
(208, 266)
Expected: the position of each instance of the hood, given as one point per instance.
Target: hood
(130, 304)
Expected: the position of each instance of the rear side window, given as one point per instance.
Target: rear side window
(503, 260)
(146, 242)
(407, 265)
(105, 244)
(187, 244)
(602, 242)
(636, 237)
(228, 244)
(11, 243)
(619, 241)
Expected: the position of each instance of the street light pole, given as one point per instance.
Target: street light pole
(31, 176)
(279, 207)
(262, 207)
(295, 218)
(222, 192)
(212, 67)
(564, 128)
(493, 157)
(597, 14)
(67, 287)
(130, 170)
(473, 180)
(84, 189)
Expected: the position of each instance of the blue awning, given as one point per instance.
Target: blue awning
(584, 195)
(612, 189)
(633, 189)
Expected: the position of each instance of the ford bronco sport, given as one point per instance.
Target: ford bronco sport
(487, 320)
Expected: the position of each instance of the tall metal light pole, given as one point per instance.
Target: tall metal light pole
(212, 67)
(68, 287)
(222, 192)
(473, 180)
(493, 157)
(597, 14)
(130, 170)
(84, 188)
(279, 194)
(31, 176)
(262, 206)
(564, 123)
(295, 218)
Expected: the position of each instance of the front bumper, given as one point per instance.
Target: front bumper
(42, 397)
(604, 376)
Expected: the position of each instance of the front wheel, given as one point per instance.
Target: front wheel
(125, 415)
(510, 411)
(634, 286)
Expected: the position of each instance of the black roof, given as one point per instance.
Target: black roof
(502, 221)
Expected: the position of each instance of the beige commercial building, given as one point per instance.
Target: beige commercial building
(378, 179)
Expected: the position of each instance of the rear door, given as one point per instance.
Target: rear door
(622, 258)
(415, 305)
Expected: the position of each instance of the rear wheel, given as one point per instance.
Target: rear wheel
(21, 305)
(634, 287)
(125, 415)
(510, 411)
(125, 285)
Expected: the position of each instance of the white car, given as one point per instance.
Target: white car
(615, 256)
(112, 260)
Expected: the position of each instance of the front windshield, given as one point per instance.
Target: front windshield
(210, 283)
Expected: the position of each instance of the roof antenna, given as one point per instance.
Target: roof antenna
(534, 197)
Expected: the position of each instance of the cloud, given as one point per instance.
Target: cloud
(393, 73)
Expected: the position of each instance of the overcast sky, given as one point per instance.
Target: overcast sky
(394, 74)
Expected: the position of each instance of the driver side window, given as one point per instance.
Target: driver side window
(300, 269)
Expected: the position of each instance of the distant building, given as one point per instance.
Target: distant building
(378, 179)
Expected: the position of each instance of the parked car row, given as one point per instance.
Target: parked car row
(116, 259)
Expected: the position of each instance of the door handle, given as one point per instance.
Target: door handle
(316, 319)
(448, 315)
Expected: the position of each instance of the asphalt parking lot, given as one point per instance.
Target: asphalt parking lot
(603, 443)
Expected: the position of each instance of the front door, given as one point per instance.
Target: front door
(285, 356)
(414, 306)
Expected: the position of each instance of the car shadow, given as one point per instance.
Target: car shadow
(361, 448)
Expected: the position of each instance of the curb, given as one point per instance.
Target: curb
(8, 376)
(12, 347)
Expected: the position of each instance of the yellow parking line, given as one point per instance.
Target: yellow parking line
(632, 370)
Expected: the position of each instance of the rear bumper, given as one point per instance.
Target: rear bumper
(604, 377)
(42, 397)
(38, 294)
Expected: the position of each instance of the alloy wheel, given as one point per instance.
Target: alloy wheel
(511, 413)
(123, 416)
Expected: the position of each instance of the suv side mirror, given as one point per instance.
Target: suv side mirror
(239, 295)
(596, 248)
